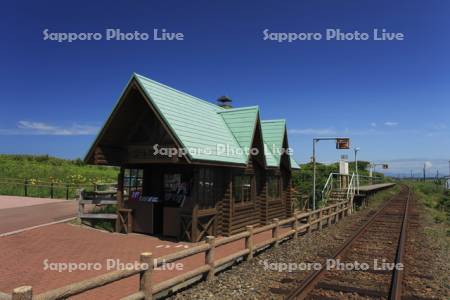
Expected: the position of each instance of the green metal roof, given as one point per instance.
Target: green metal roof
(273, 135)
(195, 122)
(242, 123)
(200, 126)
(294, 164)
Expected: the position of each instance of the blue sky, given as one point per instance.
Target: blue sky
(391, 97)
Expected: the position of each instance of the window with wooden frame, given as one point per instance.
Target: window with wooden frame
(132, 183)
(274, 187)
(242, 189)
(206, 197)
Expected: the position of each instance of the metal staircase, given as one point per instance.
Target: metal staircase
(338, 188)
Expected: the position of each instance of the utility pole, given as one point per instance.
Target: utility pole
(356, 168)
(424, 174)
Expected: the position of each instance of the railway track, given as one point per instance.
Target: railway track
(369, 263)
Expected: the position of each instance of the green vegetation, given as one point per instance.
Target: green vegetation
(435, 197)
(381, 196)
(41, 172)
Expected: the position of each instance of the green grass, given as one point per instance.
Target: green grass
(41, 171)
(381, 196)
(435, 198)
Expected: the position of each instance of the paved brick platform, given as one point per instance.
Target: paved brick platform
(17, 201)
(23, 212)
(22, 257)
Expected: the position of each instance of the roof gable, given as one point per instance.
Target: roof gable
(242, 123)
(209, 132)
(195, 122)
(273, 135)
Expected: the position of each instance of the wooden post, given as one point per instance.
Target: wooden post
(25, 188)
(195, 232)
(295, 226)
(249, 242)
(337, 213)
(22, 293)
(309, 222)
(275, 232)
(119, 199)
(330, 211)
(209, 258)
(51, 190)
(80, 205)
(320, 218)
(129, 221)
(145, 282)
(119, 195)
(67, 192)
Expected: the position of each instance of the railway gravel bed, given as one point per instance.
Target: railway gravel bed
(427, 257)
(258, 279)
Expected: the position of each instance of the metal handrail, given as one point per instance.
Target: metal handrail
(351, 187)
(328, 186)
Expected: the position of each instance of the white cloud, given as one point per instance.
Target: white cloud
(373, 124)
(40, 128)
(313, 131)
(391, 124)
(428, 164)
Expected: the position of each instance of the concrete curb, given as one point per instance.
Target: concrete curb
(37, 226)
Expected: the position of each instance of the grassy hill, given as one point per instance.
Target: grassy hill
(40, 172)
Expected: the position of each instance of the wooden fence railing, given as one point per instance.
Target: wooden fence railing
(301, 222)
(48, 189)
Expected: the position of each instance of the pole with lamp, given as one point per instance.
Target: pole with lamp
(341, 143)
(356, 149)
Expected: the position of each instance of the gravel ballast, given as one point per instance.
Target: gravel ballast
(258, 279)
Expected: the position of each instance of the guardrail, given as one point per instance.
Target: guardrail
(301, 222)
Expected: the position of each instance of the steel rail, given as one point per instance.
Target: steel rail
(309, 283)
(395, 292)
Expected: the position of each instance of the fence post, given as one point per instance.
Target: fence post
(25, 187)
(337, 213)
(22, 293)
(67, 192)
(295, 226)
(330, 211)
(320, 218)
(309, 222)
(211, 240)
(145, 282)
(275, 232)
(51, 190)
(249, 242)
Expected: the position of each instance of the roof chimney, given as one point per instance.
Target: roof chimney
(224, 102)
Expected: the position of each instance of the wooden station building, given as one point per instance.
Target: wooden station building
(190, 168)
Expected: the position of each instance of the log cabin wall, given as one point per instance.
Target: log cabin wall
(235, 216)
